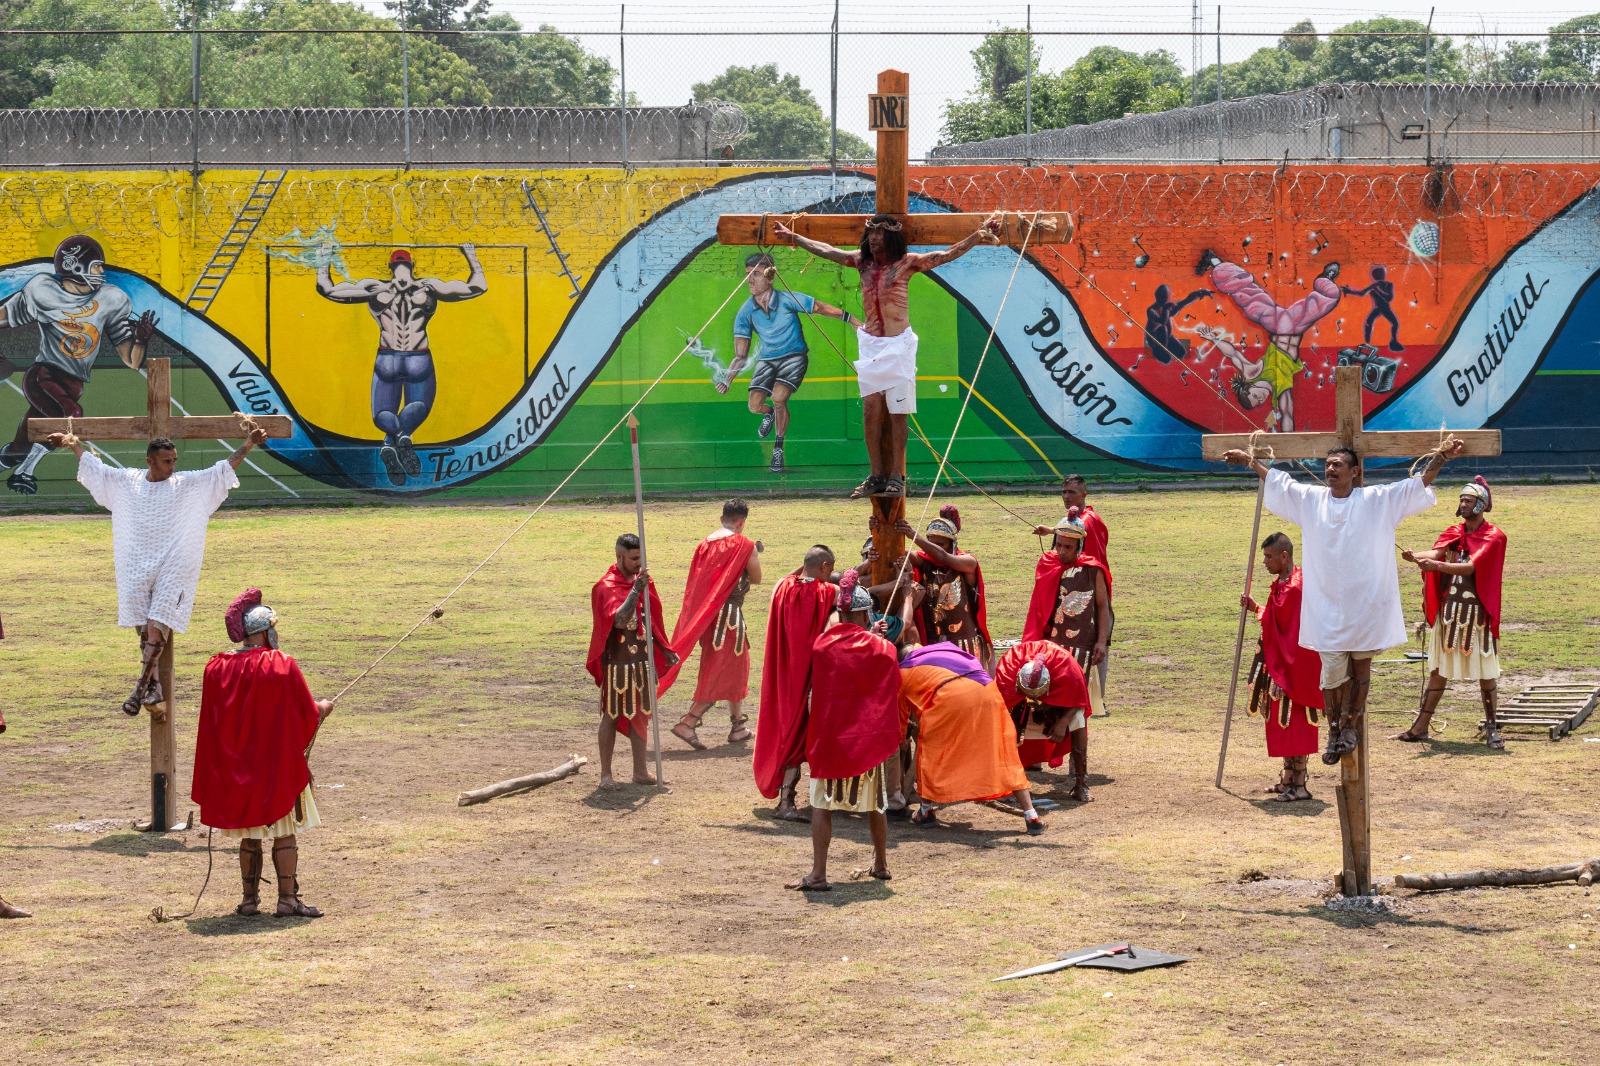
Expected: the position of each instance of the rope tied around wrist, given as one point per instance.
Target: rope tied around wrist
(1437, 455)
(1259, 448)
(70, 438)
(246, 423)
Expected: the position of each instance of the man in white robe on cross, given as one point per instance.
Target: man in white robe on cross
(158, 538)
(1350, 603)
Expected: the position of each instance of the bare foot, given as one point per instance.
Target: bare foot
(646, 778)
(608, 782)
(8, 911)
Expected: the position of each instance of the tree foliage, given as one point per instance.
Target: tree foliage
(358, 69)
(785, 121)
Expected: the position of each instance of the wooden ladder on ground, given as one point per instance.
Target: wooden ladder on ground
(226, 257)
(1557, 708)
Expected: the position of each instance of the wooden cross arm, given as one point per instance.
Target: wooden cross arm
(1053, 227)
(138, 427)
(1370, 444)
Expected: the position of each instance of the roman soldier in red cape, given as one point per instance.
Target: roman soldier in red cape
(251, 780)
(724, 567)
(952, 605)
(617, 659)
(852, 730)
(1071, 603)
(1049, 699)
(801, 604)
(1285, 678)
(1075, 493)
(1461, 597)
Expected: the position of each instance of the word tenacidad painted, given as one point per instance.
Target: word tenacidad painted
(424, 339)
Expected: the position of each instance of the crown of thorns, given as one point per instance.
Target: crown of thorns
(892, 225)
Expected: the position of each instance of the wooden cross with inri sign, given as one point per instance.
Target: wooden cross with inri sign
(159, 421)
(1355, 818)
(889, 116)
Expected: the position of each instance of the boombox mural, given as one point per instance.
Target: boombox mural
(479, 333)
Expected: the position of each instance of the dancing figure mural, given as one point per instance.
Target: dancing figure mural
(1285, 327)
(1381, 293)
(403, 382)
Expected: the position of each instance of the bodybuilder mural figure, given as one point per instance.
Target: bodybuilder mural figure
(403, 382)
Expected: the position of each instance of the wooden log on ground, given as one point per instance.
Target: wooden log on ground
(1582, 872)
(521, 784)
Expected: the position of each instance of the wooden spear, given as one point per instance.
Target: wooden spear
(1244, 614)
(649, 626)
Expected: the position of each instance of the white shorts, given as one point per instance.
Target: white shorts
(902, 398)
(1336, 665)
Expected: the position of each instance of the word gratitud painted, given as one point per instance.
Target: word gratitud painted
(472, 361)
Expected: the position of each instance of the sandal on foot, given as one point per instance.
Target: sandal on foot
(691, 738)
(893, 487)
(1293, 795)
(255, 909)
(870, 487)
(1495, 741)
(805, 884)
(737, 733)
(297, 908)
(884, 876)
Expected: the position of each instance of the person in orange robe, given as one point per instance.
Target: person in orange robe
(853, 730)
(1285, 679)
(617, 658)
(966, 742)
(801, 603)
(1049, 699)
(724, 567)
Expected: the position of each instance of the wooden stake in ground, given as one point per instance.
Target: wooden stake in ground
(1355, 817)
(522, 784)
(1244, 614)
(649, 632)
(159, 421)
(889, 116)
(1582, 872)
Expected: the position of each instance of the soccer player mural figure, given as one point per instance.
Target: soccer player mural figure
(403, 380)
(75, 311)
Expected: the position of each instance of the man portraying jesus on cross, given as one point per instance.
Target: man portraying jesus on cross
(887, 369)
(1350, 598)
(158, 539)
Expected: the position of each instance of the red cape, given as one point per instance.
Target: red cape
(1296, 670)
(257, 718)
(854, 722)
(1046, 590)
(1486, 547)
(798, 615)
(605, 600)
(919, 560)
(1067, 689)
(1096, 537)
(713, 572)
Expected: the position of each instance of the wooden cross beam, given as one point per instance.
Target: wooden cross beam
(158, 421)
(1355, 815)
(889, 116)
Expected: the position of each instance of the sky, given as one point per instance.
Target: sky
(701, 38)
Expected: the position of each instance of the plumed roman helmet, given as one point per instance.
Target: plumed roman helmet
(948, 524)
(247, 616)
(1072, 525)
(1479, 490)
(1033, 680)
(74, 257)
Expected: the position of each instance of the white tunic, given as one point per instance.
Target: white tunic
(1350, 596)
(158, 535)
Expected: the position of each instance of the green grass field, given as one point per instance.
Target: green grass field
(574, 926)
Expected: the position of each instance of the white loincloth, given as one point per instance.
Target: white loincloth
(158, 535)
(886, 362)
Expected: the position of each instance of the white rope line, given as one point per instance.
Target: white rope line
(437, 610)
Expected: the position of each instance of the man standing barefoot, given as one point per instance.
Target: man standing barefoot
(617, 656)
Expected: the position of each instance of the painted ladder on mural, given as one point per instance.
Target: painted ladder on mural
(550, 234)
(226, 257)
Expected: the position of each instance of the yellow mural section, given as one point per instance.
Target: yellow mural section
(169, 225)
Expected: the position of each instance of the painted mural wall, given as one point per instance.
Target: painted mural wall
(477, 333)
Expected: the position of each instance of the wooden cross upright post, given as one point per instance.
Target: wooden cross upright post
(889, 117)
(158, 421)
(1355, 818)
